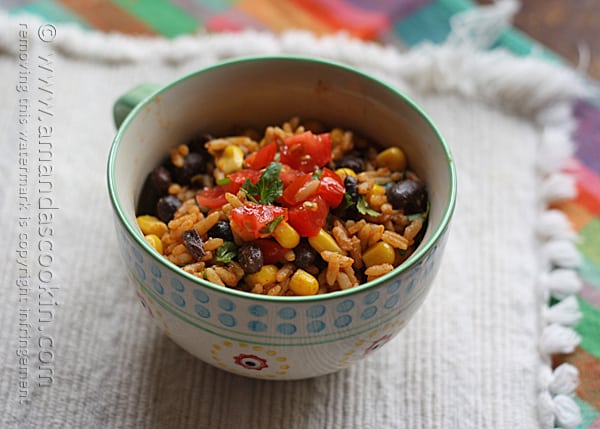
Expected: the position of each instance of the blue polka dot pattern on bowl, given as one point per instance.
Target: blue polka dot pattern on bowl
(287, 313)
(316, 311)
(411, 286)
(391, 302)
(155, 271)
(345, 306)
(178, 300)
(371, 297)
(227, 320)
(315, 326)
(137, 255)
(257, 310)
(343, 321)
(226, 304)
(202, 311)
(286, 328)
(200, 296)
(216, 311)
(177, 285)
(157, 286)
(140, 271)
(257, 326)
(368, 312)
(394, 286)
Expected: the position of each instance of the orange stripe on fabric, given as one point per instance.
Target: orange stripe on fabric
(282, 15)
(578, 215)
(589, 386)
(341, 15)
(588, 179)
(107, 16)
(587, 199)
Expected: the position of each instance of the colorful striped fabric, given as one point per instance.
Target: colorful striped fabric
(404, 23)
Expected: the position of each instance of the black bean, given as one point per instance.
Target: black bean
(148, 198)
(196, 143)
(250, 258)
(160, 179)
(347, 208)
(166, 207)
(305, 255)
(193, 243)
(351, 185)
(222, 229)
(352, 162)
(194, 163)
(410, 196)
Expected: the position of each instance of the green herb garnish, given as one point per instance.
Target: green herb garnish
(268, 188)
(363, 207)
(270, 227)
(421, 216)
(347, 202)
(224, 181)
(226, 253)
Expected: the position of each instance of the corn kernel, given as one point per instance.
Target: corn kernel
(337, 135)
(231, 160)
(345, 172)
(324, 241)
(151, 225)
(266, 276)
(392, 158)
(379, 253)
(303, 283)
(155, 242)
(286, 235)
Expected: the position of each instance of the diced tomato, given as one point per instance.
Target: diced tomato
(237, 179)
(309, 217)
(262, 157)
(288, 175)
(331, 188)
(253, 220)
(272, 251)
(306, 151)
(214, 198)
(290, 194)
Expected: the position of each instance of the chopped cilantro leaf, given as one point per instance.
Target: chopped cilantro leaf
(347, 202)
(421, 216)
(226, 253)
(363, 207)
(223, 181)
(268, 188)
(270, 227)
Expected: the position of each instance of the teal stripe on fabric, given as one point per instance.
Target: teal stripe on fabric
(162, 16)
(588, 413)
(522, 45)
(50, 11)
(590, 272)
(588, 328)
(430, 23)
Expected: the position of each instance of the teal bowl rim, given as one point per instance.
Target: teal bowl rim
(405, 266)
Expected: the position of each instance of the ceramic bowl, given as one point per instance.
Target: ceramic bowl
(256, 335)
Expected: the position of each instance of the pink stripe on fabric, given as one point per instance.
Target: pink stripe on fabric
(586, 178)
(590, 294)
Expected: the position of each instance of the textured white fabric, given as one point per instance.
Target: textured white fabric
(470, 358)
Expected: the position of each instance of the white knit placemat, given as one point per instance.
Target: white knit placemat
(79, 351)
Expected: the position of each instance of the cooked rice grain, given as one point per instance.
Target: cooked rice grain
(376, 271)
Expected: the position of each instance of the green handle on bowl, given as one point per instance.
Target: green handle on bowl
(125, 103)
